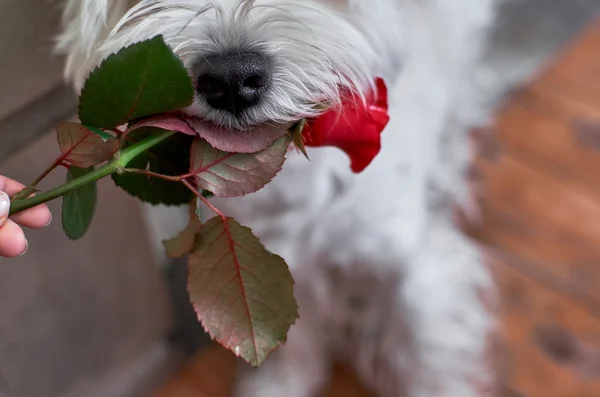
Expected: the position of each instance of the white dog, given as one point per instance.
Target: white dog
(384, 278)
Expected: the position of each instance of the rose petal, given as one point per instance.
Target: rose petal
(354, 128)
(381, 99)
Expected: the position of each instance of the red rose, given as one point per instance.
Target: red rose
(354, 127)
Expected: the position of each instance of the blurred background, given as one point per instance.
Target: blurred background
(108, 316)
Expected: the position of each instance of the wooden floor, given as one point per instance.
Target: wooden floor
(540, 180)
(538, 173)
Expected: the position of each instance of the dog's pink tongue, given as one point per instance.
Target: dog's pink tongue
(252, 140)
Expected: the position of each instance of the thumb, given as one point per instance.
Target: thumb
(4, 207)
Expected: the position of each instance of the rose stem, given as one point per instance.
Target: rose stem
(120, 162)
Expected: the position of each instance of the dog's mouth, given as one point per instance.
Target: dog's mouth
(249, 140)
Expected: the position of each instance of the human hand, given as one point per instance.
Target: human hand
(12, 237)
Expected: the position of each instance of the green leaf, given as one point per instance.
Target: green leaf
(235, 174)
(78, 206)
(242, 294)
(143, 79)
(170, 157)
(82, 147)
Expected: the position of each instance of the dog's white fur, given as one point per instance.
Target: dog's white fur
(384, 278)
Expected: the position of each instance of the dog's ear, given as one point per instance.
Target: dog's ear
(85, 24)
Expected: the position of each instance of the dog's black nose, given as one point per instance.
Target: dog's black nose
(234, 82)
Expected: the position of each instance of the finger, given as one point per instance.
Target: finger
(36, 217)
(11, 187)
(4, 207)
(12, 240)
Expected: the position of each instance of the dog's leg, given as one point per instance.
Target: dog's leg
(384, 363)
(299, 368)
(434, 334)
(450, 322)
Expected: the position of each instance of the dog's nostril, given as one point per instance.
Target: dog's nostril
(254, 82)
(233, 82)
(210, 86)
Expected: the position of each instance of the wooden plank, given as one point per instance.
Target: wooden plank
(555, 134)
(554, 123)
(540, 194)
(530, 214)
(211, 374)
(539, 184)
(551, 346)
(576, 74)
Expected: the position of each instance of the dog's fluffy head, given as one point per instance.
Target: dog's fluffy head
(313, 49)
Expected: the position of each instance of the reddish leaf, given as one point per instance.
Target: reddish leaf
(228, 140)
(252, 140)
(235, 174)
(169, 122)
(184, 242)
(242, 293)
(83, 148)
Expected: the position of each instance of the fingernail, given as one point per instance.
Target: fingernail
(4, 207)
(49, 222)
(26, 248)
